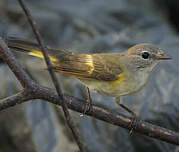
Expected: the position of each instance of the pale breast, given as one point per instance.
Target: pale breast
(120, 87)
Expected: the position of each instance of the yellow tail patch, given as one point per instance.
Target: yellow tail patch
(40, 55)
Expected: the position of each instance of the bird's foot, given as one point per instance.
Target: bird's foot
(88, 105)
(133, 124)
(87, 108)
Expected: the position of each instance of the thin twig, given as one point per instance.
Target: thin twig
(14, 100)
(53, 76)
(8, 58)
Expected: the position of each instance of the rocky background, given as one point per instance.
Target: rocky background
(91, 26)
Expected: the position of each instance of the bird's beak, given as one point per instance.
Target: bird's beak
(163, 57)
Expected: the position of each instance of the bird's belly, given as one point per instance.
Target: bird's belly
(112, 88)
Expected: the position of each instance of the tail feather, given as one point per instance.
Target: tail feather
(21, 45)
(33, 48)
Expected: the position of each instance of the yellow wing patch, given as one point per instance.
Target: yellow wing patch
(40, 55)
(89, 62)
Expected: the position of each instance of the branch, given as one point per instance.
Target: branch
(78, 105)
(110, 117)
(14, 100)
(53, 77)
(15, 67)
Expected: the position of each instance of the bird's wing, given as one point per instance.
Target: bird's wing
(89, 66)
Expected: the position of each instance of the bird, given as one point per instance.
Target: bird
(109, 74)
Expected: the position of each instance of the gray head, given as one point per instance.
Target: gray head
(145, 56)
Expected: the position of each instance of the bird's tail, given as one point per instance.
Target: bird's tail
(33, 48)
(21, 45)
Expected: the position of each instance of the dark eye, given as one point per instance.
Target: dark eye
(145, 55)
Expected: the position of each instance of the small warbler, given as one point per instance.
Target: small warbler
(109, 74)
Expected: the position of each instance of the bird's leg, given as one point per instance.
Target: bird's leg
(133, 123)
(89, 98)
(89, 102)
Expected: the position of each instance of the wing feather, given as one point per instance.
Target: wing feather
(90, 66)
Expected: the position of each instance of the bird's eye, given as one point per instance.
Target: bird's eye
(145, 55)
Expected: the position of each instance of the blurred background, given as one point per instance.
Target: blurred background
(91, 26)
